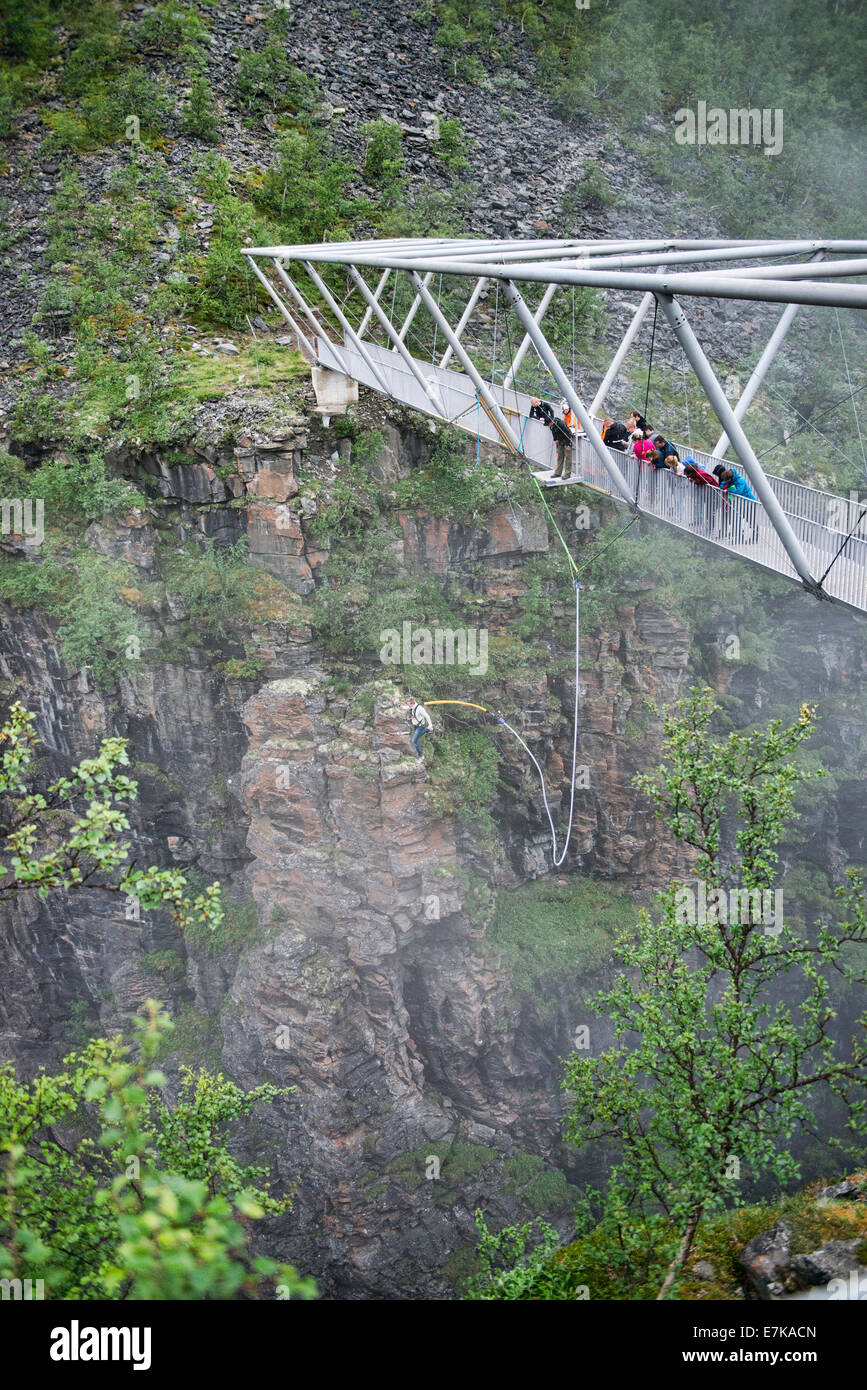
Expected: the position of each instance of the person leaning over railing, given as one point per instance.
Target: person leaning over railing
(666, 454)
(703, 480)
(730, 481)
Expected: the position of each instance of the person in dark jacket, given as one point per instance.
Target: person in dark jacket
(666, 454)
(563, 437)
(634, 422)
(615, 435)
(541, 410)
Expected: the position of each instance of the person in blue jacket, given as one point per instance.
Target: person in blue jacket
(732, 481)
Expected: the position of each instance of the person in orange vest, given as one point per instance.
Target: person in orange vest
(568, 418)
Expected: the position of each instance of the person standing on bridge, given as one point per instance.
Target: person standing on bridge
(642, 448)
(421, 724)
(634, 422)
(562, 434)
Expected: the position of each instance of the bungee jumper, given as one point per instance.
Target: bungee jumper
(421, 724)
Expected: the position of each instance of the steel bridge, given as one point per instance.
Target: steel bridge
(426, 359)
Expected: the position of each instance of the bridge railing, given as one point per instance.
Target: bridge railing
(733, 523)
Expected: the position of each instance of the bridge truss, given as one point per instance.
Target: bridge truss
(412, 319)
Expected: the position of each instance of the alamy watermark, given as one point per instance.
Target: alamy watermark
(23, 516)
(736, 906)
(424, 646)
(739, 126)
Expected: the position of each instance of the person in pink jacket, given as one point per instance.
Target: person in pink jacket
(643, 449)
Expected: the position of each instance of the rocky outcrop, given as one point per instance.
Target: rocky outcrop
(366, 980)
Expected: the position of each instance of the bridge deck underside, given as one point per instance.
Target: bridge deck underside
(819, 519)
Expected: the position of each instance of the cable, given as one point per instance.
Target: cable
(557, 859)
(849, 384)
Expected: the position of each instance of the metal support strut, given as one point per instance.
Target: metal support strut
(542, 346)
(744, 450)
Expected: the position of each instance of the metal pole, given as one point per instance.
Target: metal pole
(344, 323)
(619, 356)
(543, 348)
(760, 370)
(362, 327)
(399, 345)
(522, 350)
(311, 350)
(464, 319)
(414, 308)
(308, 314)
(753, 469)
(466, 362)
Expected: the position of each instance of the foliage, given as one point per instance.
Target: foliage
(464, 767)
(200, 117)
(97, 628)
(716, 1068)
(305, 189)
(267, 81)
(452, 145)
(549, 935)
(384, 164)
(452, 485)
(76, 487)
(171, 29)
(591, 193)
(214, 583)
(511, 1267)
(142, 1199)
(70, 836)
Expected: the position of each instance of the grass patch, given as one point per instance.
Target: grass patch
(547, 935)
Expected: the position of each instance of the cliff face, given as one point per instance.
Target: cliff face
(363, 977)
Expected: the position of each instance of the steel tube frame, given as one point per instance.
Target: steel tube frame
(620, 355)
(383, 280)
(311, 350)
(344, 323)
(465, 360)
(413, 310)
(709, 286)
(682, 330)
(526, 340)
(760, 371)
(308, 313)
(542, 346)
(464, 318)
(398, 343)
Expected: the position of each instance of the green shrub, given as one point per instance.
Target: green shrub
(267, 81)
(72, 488)
(305, 188)
(547, 935)
(109, 109)
(464, 772)
(171, 29)
(451, 484)
(214, 584)
(384, 164)
(10, 99)
(452, 146)
(200, 117)
(238, 928)
(166, 964)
